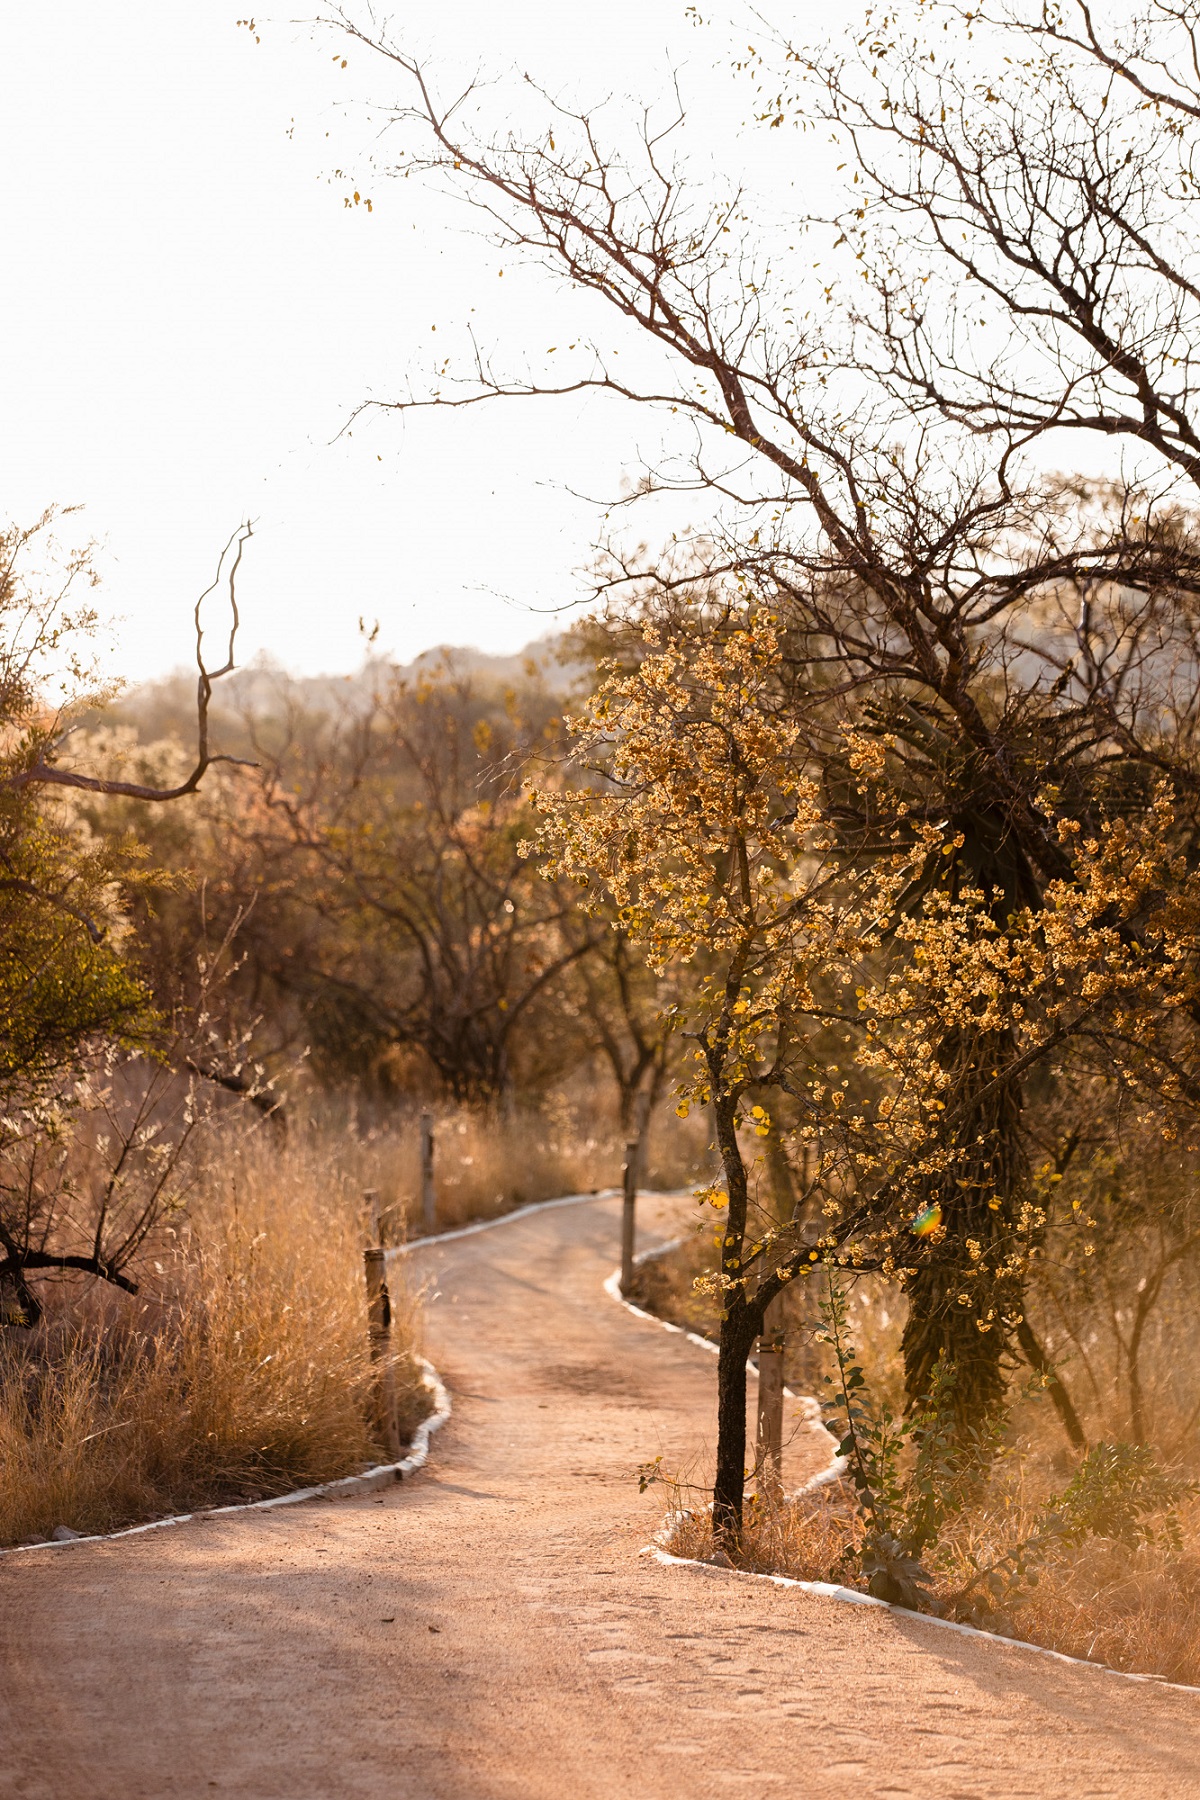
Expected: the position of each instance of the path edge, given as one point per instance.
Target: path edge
(828, 1590)
(345, 1487)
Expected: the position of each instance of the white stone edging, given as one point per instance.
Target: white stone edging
(384, 1475)
(612, 1287)
(828, 1590)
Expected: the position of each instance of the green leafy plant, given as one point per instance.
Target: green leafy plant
(1119, 1491)
(910, 1475)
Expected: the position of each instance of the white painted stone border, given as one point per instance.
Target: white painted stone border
(387, 1473)
(828, 1590)
(343, 1489)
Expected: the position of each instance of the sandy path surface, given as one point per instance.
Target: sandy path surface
(489, 1631)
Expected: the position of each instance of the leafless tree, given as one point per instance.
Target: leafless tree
(399, 837)
(43, 742)
(94, 1163)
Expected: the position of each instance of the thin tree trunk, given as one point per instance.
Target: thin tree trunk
(769, 1445)
(738, 1332)
(740, 1323)
(779, 1170)
(769, 1442)
(1146, 1302)
(1037, 1359)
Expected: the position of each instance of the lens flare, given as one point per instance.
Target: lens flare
(927, 1220)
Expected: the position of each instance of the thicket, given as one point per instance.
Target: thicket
(181, 1316)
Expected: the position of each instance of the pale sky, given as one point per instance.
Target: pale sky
(190, 312)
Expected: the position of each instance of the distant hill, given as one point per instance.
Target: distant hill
(263, 689)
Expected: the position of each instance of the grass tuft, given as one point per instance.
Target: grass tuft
(240, 1371)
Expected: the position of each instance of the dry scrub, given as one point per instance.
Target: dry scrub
(240, 1371)
(241, 1368)
(1133, 1608)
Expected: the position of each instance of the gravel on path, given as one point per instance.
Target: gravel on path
(490, 1631)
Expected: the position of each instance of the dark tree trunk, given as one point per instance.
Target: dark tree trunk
(980, 1197)
(741, 1322)
(941, 1329)
(738, 1332)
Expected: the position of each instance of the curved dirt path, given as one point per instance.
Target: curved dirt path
(489, 1632)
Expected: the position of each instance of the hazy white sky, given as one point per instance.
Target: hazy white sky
(190, 312)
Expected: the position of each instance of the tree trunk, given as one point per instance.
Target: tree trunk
(738, 1331)
(740, 1323)
(1146, 1302)
(1038, 1361)
(768, 1455)
(769, 1446)
(940, 1329)
(980, 1197)
(779, 1172)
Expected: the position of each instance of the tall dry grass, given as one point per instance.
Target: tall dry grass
(241, 1369)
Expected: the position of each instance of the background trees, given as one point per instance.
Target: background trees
(388, 918)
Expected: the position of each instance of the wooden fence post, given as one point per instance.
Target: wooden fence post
(770, 1402)
(379, 1326)
(428, 1194)
(374, 1221)
(629, 1214)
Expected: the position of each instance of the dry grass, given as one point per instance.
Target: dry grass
(486, 1164)
(811, 1540)
(239, 1372)
(1137, 1610)
(241, 1369)
(1134, 1609)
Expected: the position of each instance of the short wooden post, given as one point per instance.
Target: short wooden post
(629, 1214)
(374, 1221)
(379, 1326)
(428, 1194)
(770, 1402)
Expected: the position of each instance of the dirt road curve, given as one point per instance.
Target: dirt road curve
(489, 1632)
